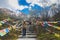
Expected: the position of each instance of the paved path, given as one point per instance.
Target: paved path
(29, 36)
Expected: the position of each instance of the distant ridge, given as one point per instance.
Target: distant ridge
(11, 13)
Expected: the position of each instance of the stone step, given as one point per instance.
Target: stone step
(27, 36)
(26, 39)
(29, 33)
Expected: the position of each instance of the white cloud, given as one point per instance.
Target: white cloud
(42, 3)
(14, 4)
(4, 4)
(22, 7)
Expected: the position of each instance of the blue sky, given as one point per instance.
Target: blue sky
(26, 5)
(26, 10)
(35, 7)
(23, 2)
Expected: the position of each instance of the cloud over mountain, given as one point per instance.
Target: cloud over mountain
(42, 3)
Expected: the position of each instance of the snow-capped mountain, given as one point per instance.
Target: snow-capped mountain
(11, 13)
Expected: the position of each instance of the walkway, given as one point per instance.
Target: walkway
(29, 36)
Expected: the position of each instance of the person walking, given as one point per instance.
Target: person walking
(24, 28)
